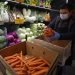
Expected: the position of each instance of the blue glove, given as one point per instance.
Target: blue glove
(56, 36)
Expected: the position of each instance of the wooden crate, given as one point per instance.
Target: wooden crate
(5, 69)
(63, 47)
(35, 50)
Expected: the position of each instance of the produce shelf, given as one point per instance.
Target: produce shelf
(22, 5)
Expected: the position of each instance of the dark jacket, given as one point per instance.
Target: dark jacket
(66, 28)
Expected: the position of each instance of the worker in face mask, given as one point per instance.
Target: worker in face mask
(64, 14)
(63, 26)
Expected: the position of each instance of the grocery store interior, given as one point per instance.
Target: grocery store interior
(37, 37)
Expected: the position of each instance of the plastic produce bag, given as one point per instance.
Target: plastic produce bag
(4, 15)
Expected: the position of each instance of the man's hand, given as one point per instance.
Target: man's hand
(51, 35)
(48, 32)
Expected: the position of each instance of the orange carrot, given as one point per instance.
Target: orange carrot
(20, 73)
(43, 65)
(19, 69)
(10, 57)
(28, 57)
(15, 63)
(32, 60)
(35, 64)
(38, 68)
(22, 61)
(12, 61)
(21, 58)
(38, 60)
(41, 72)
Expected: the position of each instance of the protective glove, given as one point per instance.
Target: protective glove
(56, 36)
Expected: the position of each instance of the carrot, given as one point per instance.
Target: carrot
(37, 60)
(32, 60)
(12, 61)
(29, 73)
(15, 63)
(18, 65)
(21, 58)
(41, 72)
(38, 68)
(22, 61)
(28, 57)
(9, 60)
(10, 57)
(19, 69)
(44, 64)
(33, 71)
(35, 64)
(20, 73)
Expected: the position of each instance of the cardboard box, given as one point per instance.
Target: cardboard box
(63, 47)
(35, 50)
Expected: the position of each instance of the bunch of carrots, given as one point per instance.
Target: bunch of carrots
(27, 65)
(48, 32)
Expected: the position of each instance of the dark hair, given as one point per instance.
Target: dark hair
(66, 6)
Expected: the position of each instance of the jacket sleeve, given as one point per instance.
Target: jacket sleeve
(52, 23)
(68, 35)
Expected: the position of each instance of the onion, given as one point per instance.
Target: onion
(10, 38)
(14, 34)
(17, 40)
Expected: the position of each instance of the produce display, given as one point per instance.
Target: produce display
(12, 38)
(32, 32)
(27, 65)
(42, 3)
(21, 16)
(3, 40)
(4, 17)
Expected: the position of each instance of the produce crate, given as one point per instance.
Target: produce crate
(63, 47)
(32, 49)
(5, 68)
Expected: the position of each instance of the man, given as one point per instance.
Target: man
(63, 25)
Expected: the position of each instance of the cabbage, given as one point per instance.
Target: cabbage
(2, 45)
(21, 36)
(2, 39)
(1, 32)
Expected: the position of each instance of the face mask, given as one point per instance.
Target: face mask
(64, 16)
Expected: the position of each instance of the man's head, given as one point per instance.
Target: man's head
(65, 11)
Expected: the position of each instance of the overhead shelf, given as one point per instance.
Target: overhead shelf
(22, 5)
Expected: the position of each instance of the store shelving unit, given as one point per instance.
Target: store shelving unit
(23, 5)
